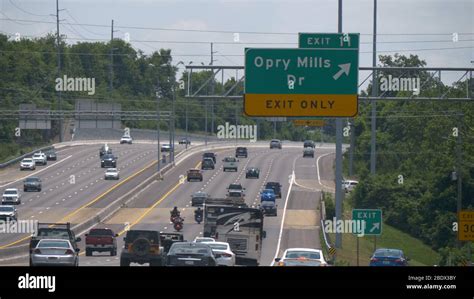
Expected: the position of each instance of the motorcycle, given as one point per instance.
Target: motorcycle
(173, 218)
(198, 218)
(178, 223)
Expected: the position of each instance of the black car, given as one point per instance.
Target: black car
(269, 208)
(275, 143)
(275, 186)
(237, 187)
(308, 143)
(199, 198)
(241, 152)
(51, 155)
(32, 183)
(210, 155)
(108, 161)
(142, 246)
(207, 163)
(184, 141)
(190, 254)
(252, 172)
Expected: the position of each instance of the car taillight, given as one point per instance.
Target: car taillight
(37, 251)
(374, 259)
(226, 255)
(69, 251)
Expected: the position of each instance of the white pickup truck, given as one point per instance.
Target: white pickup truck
(230, 163)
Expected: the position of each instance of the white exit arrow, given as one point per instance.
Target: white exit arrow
(344, 68)
(375, 226)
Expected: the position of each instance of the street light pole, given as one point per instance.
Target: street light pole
(158, 125)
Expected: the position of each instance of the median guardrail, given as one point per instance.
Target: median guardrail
(17, 159)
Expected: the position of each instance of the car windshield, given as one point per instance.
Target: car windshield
(229, 160)
(10, 192)
(217, 246)
(6, 209)
(53, 244)
(388, 253)
(112, 170)
(190, 248)
(60, 234)
(27, 160)
(303, 254)
(29, 180)
(235, 186)
(270, 191)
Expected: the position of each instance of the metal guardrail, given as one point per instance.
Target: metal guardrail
(322, 210)
(15, 160)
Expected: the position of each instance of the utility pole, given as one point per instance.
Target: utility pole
(338, 173)
(458, 168)
(58, 41)
(111, 69)
(212, 90)
(374, 94)
(351, 149)
(158, 118)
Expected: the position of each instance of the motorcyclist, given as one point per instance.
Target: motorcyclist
(175, 212)
(198, 212)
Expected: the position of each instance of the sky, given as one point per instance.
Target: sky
(421, 27)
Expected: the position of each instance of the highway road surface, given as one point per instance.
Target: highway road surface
(297, 223)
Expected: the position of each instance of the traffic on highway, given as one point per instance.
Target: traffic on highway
(330, 136)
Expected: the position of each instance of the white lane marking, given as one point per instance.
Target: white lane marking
(284, 213)
(317, 169)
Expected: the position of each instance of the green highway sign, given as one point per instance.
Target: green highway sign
(372, 218)
(328, 40)
(302, 82)
(300, 71)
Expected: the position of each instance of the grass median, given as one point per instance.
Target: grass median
(419, 253)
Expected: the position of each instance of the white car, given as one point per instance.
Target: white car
(301, 257)
(8, 212)
(203, 239)
(112, 173)
(11, 196)
(40, 158)
(349, 185)
(224, 256)
(126, 139)
(27, 163)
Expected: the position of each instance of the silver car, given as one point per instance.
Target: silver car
(112, 173)
(54, 252)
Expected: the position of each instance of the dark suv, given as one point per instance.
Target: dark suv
(32, 183)
(275, 186)
(241, 152)
(108, 161)
(142, 246)
(308, 143)
(210, 155)
(190, 254)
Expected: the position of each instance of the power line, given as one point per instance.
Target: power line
(27, 12)
(229, 55)
(232, 31)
